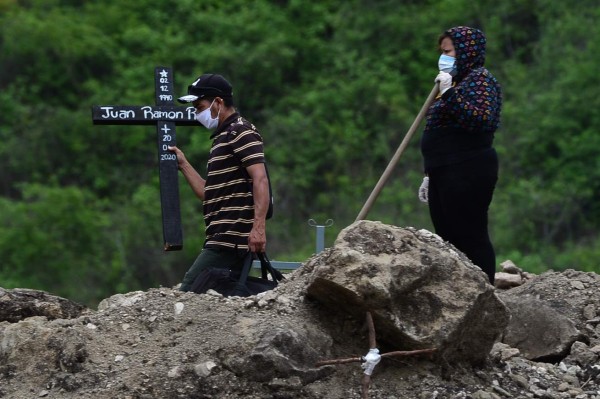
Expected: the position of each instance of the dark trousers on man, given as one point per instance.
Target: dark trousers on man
(222, 258)
(459, 199)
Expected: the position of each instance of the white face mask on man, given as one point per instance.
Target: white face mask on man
(206, 119)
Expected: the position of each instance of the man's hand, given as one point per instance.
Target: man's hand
(257, 240)
(181, 160)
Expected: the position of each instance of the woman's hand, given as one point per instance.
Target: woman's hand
(445, 80)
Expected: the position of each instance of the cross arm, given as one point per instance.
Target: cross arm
(142, 115)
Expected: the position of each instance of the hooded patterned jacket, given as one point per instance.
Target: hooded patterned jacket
(461, 123)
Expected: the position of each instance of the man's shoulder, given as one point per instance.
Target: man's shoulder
(240, 125)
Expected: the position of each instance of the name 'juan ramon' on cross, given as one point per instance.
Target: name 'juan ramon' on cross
(148, 112)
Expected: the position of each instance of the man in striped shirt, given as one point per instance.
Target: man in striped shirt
(235, 193)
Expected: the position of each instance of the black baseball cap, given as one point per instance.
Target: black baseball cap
(207, 85)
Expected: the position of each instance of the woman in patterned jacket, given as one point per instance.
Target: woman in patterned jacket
(461, 165)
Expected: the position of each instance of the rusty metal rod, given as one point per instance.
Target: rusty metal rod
(409, 353)
(371, 326)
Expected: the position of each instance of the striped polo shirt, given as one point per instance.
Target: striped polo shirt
(228, 201)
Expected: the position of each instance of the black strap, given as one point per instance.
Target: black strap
(265, 267)
(246, 268)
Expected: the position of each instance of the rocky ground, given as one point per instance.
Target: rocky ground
(162, 343)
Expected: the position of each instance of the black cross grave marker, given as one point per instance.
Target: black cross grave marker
(165, 116)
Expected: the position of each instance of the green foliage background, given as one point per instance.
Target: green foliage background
(332, 85)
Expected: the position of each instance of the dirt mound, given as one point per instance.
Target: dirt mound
(162, 343)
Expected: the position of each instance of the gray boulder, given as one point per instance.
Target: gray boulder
(537, 330)
(18, 304)
(284, 352)
(421, 291)
(574, 295)
(569, 292)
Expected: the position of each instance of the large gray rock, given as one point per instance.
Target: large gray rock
(285, 352)
(564, 302)
(537, 330)
(36, 346)
(18, 304)
(421, 291)
(572, 293)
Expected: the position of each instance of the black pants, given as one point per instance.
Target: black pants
(212, 257)
(459, 198)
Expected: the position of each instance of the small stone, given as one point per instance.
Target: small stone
(507, 280)
(582, 355)
(43, 393)
(175, 372)
(502, 391)
(589, 312)
(540, 393)
(125, 326)
(577, 285)
(484, 395)
(563, 367)
(91, 326)
(509, 267)
(119, 358)
(575, 391)
(563, 387)
(509, 353)
(262, 303)
(571, 380)
(204, 369)
(284, 300)
(520, 380)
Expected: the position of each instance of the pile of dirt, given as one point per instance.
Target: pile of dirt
(162, 343)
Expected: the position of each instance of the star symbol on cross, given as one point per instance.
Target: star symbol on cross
(164, 74)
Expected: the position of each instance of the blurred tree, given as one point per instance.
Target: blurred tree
(58, 235)
(332, 86)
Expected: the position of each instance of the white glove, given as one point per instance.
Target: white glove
(424, 190)
(371, 360)
(445, 80)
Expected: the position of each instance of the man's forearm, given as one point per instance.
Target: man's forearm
(260, 189)
(194, 179)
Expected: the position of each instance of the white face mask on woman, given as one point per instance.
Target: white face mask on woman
(447, 64)
(206, 119)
